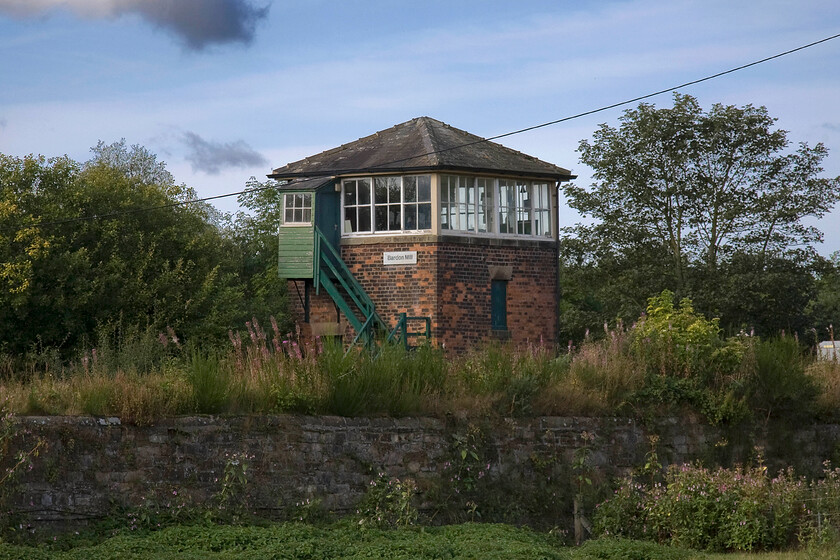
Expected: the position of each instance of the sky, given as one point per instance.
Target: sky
(223, 90)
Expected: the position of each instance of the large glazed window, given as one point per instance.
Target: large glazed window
(297, 208)
(387, 204)
(467, 205)
(485, 205)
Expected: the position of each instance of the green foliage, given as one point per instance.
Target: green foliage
(232, 498)
(724, 509)
(625, 549)
(388, 503)
(210, 383)
(709, 204)
(776, 383)
(66, 277)
(466, 482)
(394, 381)
(581, 462)
(687, 363)
(163, 507)
(296, 541)
(824, 308)
(679, 342)
(308, 510)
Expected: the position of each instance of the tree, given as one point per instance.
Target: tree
(697, 191)
(114, 242)
(824, 308)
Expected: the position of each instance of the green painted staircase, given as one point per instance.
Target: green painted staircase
(331, 273)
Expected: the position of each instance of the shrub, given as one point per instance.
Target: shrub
(625, 549)
(716, 510)
(387, 503)
(677, 341)
(774, 371)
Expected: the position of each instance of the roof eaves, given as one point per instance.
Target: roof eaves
(306, 183)
(563, 175)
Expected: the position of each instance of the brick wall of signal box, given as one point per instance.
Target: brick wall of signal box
(464, 278)
(451, 284)
(397, 289)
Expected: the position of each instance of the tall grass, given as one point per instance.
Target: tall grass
(145, 375)
(602, 376)
(210, 383)
(825, 374)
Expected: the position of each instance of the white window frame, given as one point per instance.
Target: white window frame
(305, 208)
(376, 204)
(528, 216)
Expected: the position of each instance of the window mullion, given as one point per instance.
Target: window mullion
(536, 206)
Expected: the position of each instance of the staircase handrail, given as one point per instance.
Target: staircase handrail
(341, 272)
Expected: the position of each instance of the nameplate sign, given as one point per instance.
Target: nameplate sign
(399, 257)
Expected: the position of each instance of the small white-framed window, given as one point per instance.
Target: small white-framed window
(297, 208)
(507, 206)
(357, 202)
(387, 194)
(523, 208)
(485, 209)
(417, 202)
(542, 210)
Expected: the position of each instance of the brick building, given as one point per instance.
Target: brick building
(427, 220)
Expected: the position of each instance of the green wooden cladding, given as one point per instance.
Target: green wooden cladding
(297, 242)
(297, 248)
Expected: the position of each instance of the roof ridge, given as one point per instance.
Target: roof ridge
(430, 139)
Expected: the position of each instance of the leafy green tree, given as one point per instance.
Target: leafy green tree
(694, 200)
(115, 242)
(255, 233)
(824, 308)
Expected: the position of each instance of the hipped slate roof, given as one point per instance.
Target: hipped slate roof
(421, 144)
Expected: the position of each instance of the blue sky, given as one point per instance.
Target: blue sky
(225, 89)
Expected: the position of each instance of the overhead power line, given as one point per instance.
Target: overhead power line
(620, 103)
(480, 141)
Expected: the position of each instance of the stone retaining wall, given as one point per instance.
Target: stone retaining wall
(91, 465)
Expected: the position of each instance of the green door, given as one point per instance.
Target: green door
(327, 214)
